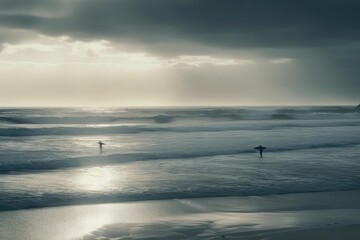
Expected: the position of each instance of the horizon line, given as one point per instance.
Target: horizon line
(187, 106)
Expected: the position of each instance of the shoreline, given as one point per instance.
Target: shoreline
(240, 197)
(284, 215)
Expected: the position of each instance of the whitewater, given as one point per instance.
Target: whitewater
(50, 157)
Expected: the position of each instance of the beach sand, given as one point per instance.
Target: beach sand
(328, 215)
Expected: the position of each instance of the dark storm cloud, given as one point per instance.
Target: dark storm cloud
(20, 21)
(227, 23)
(18, 5)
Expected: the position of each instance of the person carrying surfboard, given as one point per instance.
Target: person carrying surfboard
(101, 144)
(261, 149)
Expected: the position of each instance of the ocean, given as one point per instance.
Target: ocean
(50, 157)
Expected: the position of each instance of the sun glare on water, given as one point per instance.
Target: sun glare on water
(96, 179)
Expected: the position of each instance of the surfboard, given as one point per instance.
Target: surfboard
(258, 148)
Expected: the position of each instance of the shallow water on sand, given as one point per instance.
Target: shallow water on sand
(206, 218)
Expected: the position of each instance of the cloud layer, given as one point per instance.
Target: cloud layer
(231, 23)
(321, 38)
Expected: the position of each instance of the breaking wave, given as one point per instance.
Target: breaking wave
(134, 129)
(162, 116)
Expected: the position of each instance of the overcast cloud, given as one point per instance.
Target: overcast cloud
(321, 37)
(231, 23)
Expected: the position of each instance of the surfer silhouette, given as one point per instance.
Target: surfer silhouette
(101, 144)
(261, 149)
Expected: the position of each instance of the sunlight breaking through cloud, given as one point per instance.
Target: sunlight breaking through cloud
(65, 50)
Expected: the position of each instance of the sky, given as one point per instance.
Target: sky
(179, 52)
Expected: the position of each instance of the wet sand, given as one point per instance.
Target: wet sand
(329, 215)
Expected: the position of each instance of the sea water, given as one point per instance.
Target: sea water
(50, 157)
